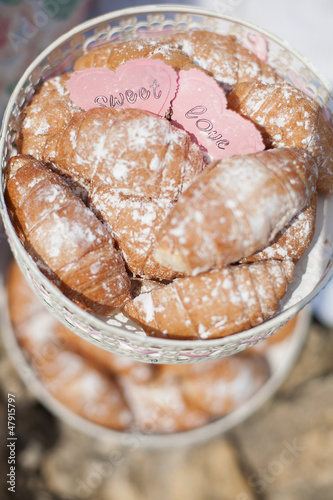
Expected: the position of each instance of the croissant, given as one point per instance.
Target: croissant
(224, 58)
(65, 238)
(119, 393)
(49, 111)
(159, 407)
(134, 165)
(182, 397)
(287, 117)
(235, 209)
(293, 240)
(213, 304)
(115, 54)
(132, 151)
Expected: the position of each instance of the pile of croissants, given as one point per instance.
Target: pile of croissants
(122, 211)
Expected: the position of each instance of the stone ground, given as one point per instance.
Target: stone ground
(283, 452)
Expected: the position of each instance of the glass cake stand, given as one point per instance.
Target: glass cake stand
(118, 334)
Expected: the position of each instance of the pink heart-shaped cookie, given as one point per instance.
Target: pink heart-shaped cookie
(200, 107)
(143, 84)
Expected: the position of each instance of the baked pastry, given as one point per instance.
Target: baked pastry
(70, 245)
(235, 209)
(224, 58)
(133, 152)
(49, 111)
(134, 166)
(134, 223)
(218, 388)
(115, 54)
(287, 117)
(220, 56)
(159, 406)
(213, 304)
(182, 397)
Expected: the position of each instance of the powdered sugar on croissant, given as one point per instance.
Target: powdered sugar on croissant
(49, 111)
(235, 209)
(224, 58)
(69, 243)
(130, 150)
(213, 304)
(115, 54)
(134, 223)
(221, 56)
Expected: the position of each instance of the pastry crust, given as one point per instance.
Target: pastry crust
(213, 304)
(133, 152)
(115, 54)
(288, 117)
(76, 381)
(70, 245)
(134, 223)
(224, 58)
(48, 113)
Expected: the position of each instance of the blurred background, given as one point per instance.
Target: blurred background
(285, 449)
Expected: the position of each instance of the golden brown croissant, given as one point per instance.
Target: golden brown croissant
(235, 209)
(115, 54)
(134, 165)
(287, 117)
(181, 397)
(213, 304)
(77, 384)
(131, 151)
(224, 58)
(49, 111)
(119, 393)
(66, 239)
(159, 406)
